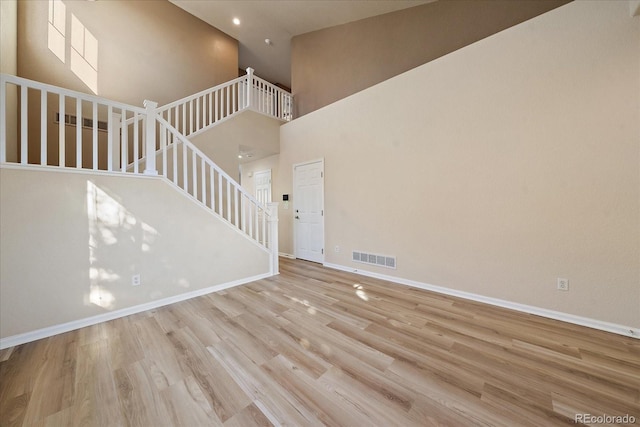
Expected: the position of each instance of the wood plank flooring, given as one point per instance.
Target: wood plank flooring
(315, 346)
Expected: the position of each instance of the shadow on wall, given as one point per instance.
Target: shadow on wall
(113, 232)
(81, 48)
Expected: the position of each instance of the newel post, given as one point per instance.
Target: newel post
(273, 236)
(150, 138)
(249, 86)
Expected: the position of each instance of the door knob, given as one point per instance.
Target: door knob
(297, 217)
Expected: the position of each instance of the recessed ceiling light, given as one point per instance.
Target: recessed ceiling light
(236, 21)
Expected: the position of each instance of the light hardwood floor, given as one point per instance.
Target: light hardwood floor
(314, 346)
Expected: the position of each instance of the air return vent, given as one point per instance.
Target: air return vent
(86, 123)
(374, 259)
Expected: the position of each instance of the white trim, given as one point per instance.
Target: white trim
(551, 314)
(58, 169)
(285, 255)
(89, 321)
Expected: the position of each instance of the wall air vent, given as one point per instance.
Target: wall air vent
(86, 123)
(374, 259)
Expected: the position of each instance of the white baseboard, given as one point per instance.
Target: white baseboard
(284, 255)
(93, 320)
(551, 314)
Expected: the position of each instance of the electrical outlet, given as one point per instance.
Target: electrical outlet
(135, 280)
(336, 249)
(563, 284)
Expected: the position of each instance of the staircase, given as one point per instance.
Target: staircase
(63, 129)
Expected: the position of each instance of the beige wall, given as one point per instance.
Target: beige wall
(9, 65)
(60, 255)
(145, 49)
(249, 130)
(330, 64)
(498, 168)
(8, 36)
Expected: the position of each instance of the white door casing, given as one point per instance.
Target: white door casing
(308, 210)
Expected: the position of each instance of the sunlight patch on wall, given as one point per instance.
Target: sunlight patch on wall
(56, 28)
(84, 54)
(113, 230)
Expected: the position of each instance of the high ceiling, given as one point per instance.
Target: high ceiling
(279, 21)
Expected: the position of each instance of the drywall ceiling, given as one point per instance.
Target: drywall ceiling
(279, 21)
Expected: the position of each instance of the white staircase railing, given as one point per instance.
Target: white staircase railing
(182, 163)
(56, 127)
(204, 109)
(60, 127)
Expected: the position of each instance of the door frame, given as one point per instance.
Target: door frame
(255, 186)
(293, 213)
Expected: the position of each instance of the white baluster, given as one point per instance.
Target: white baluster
(183, 128)
(110, 138)
(250, 206)
(233, 96)
(176, 114)
(226, 113)
(62, 131)
(190, 117)
(203, 182)
(185, 178)
(198, 113)
(24, 126)
(217, 110)
(213, 188)
(228, 200)
(257, 224)
(244, 203)
(95, 135)
(235, 202)
(264, 228)
(174, 149)
(210, 108)
(194, 173)
(78, 133)
(220, 209)
(43, 129)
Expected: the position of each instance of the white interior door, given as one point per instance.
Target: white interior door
(308, 210)
(262, 181)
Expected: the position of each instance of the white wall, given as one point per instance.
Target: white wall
(72, 241)
(496, 169)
